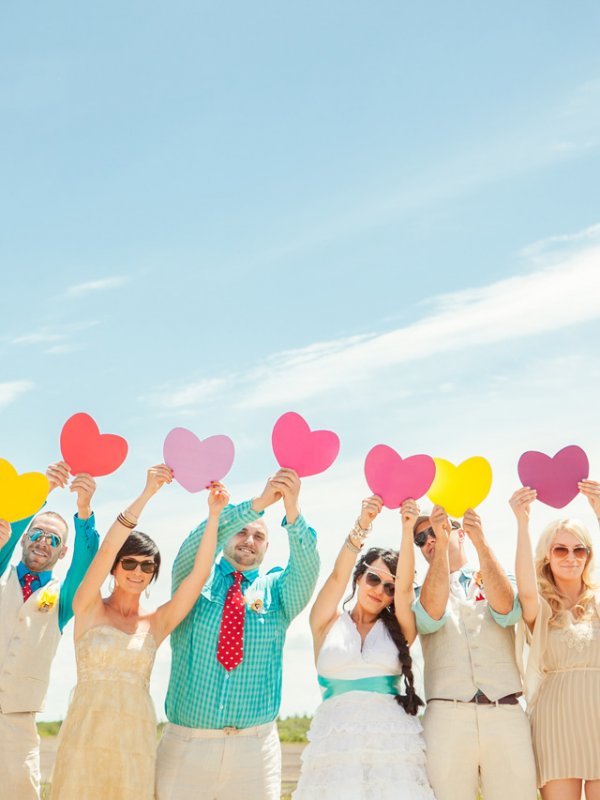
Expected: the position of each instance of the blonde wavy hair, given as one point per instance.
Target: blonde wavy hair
(548, 589)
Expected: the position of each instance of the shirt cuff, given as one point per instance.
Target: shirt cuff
(299, 525)
(86, 528)
(513, 616)
(426, 623)
(245, 510)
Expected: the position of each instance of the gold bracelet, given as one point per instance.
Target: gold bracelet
(351, 546)
(127, 523)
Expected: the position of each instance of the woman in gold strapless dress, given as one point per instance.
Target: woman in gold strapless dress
(561, 610)
(107, 742)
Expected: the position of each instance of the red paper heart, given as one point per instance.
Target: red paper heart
(297, 447)
(85, 449)
(554, 477)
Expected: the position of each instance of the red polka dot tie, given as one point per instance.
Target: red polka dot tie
(27, 590)
(230, 650)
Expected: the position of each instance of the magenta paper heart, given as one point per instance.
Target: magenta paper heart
(196, 463)
(554, 478)
(396, 479)
(297, 447)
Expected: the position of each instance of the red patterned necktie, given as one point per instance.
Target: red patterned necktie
(27, 590)
(230, 650)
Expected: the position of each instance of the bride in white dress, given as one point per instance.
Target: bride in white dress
(365, 741)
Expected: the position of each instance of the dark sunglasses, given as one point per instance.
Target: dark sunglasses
(373, 579)
(37, 533)
(561, 551)
(421, 537)
(129, 564)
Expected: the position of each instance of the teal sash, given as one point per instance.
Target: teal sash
(383, 684)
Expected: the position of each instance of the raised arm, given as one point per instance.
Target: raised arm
(591, 490)
(85, 545)
(169, 615)
(88, 595)
(326, 607)
(296, 583)
(436, 586)
(499, 592)
(520, 503)
(405, 573)
(232, 520)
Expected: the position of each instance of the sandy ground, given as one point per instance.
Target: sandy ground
(290, 763)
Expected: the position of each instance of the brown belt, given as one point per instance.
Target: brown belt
(481, 700)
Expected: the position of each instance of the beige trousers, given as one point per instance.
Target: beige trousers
(198, 764)
(466, 742)
(19, 756)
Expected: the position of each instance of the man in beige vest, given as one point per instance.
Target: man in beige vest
(34, 609)
(475, 728)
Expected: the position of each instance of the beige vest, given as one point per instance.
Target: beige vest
(28, 641)
(470, 652)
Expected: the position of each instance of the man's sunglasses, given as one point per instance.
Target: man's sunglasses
(373, 579)
(37, 533)
(421, 537)
(130, 564)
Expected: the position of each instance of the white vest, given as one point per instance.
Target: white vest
(470, 652)
(28, 641)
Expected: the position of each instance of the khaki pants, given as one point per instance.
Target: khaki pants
(198, 764)
(465, 741)
(19, 757)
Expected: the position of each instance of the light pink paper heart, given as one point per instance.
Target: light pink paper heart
(297, 447)
(394, 478)
(554, 478)
(197, 463)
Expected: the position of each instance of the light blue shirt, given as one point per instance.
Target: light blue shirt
(202, 693)
(427, 624)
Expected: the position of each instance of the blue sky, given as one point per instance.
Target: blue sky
(384, 216)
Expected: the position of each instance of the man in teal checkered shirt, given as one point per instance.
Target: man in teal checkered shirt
(221, 742)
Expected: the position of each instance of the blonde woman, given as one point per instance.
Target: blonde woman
(561, 609)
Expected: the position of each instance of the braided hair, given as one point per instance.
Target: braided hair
(410, 701)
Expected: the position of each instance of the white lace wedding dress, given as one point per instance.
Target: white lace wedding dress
(362, 744)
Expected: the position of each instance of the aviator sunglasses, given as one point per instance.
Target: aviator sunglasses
(421, 537)
(561, 551)
(373, 579)
(37, 533)
(129, 564)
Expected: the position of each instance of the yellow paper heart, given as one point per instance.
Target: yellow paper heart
(461, 487)
(20, 495)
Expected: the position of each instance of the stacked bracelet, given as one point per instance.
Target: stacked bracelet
(351, 546)
(360, 533)
(125, 521)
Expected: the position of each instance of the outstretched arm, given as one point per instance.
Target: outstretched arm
(297, 581)
(169, 615)
(520, 503)
(405, 573)
(436, 586)
(88, 595)
(326, 607)
(499, 592)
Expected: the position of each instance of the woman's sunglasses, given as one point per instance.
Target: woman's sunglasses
(421, 537)
(373, 579)
(37, 533)
(560, 551)
(129, 564)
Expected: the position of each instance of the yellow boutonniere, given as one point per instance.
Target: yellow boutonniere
(478, 579)
(47, 600)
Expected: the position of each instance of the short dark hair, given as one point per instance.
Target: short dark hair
(139, 544)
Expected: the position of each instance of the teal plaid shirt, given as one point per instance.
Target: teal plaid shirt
(202, 694)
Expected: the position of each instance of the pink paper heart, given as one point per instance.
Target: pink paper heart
(396, 479)
(197, 463)
(297, 447)
(554, 477)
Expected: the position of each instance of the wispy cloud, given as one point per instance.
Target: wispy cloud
(12, 390)
(43, 336)
(564, 292)
(100, 285)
